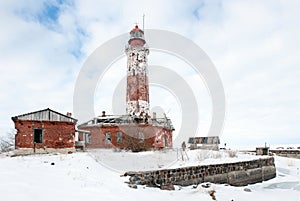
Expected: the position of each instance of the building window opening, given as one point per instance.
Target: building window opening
(141, 136)
(119, 137)
(38, 135)
(88, 138)
(108, 138)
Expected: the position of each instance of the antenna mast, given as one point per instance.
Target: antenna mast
(143, 21)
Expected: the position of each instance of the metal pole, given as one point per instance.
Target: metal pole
(143, 21)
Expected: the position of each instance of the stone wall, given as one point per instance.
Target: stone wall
(287, 153)
(236, 174)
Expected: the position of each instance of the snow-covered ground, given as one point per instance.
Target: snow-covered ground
(88, 176)
(272, 146)
(171, 158)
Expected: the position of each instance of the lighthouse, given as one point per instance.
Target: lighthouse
(137, 93)
(135, 130)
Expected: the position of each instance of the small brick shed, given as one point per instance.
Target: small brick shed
(44, 131)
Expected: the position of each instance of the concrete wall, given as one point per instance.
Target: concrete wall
(236, 174)
(28, 151)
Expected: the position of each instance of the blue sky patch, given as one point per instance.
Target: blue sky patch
(76, 51)
(50, 12)
(47, 15)
(196, 11)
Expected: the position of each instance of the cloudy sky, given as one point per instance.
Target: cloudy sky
(253, 44)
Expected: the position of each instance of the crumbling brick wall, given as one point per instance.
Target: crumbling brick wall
(56, 134)
(154, 136)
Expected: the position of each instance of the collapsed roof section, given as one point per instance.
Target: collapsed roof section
(113, 120)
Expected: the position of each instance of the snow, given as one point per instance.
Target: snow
(122, 161)
(272, 146)
(90, 176)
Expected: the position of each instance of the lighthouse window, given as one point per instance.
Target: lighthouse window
(108, 138)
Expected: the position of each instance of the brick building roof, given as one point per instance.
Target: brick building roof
(45, 115)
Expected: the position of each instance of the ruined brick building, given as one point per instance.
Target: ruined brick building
(136, 130)
(44, 131)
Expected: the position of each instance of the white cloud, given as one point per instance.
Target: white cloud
(254, 45)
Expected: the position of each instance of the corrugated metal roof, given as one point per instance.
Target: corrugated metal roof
(45, 115)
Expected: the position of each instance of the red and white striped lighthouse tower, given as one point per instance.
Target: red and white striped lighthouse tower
(137, 96)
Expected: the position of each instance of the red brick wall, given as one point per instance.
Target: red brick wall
(137, 42)
(137, 88)
(153, 137)
(163, 138)
(97, 137)
(55, 134)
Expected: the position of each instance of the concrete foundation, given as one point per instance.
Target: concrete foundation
(28, 151)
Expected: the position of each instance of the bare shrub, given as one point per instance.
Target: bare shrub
(7, 142)
(203, 154)
(290, 163)
(232, 154)
(116, 149)
(218, 155)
